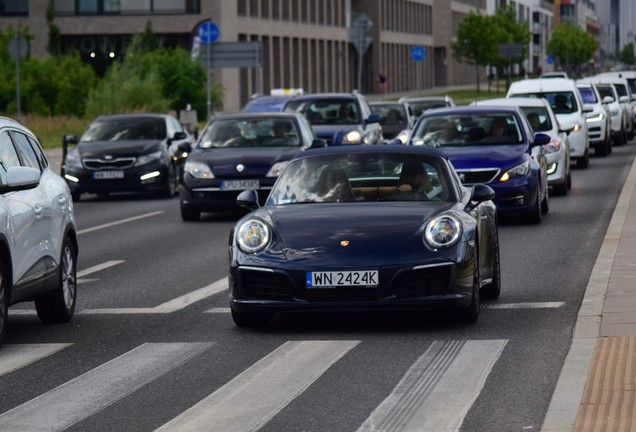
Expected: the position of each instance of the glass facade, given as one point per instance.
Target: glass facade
(121, 7)
(14, 7)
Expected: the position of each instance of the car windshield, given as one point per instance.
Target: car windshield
(126, 129)
(588, 95)
(476, 129)
(364, 177)
(419, 107)
(605, 91)
(538, 118)
(327, 111)
(562, 102)
(390, 114)
(621, 90)
(253, 132)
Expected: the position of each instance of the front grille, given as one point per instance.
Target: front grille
(478, 176)
(423, 282)
(105, 164)
(265, 285)
(344, 293)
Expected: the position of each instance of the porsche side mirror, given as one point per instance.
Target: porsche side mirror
(478, 194)
(248, 199)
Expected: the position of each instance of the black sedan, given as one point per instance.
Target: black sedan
(364, 227)
(126, 153)
(237, 152)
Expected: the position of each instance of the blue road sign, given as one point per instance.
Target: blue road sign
(550, 60)
(208, 32)
(418, 53)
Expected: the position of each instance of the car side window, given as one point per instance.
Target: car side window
(26, 152)
(38, 152)
(8, 155)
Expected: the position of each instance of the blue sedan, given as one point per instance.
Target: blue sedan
(364, 228)
(493, 146)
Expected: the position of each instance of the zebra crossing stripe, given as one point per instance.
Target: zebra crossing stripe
(87, 394)
(252, 398)
(438, 390)
(15, 356)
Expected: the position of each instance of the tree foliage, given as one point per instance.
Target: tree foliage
(627, 54)
(571, 45)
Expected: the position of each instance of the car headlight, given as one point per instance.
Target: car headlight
(73, 160)
(352, 137)
(553, 146)
(518, 171)
(442, 232)
(253, 236)
(198, 170)
(577, 127)
(276, 169)
(146, 159)
(595, 118)
(403, 136)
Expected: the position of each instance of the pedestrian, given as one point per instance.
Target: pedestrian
(382, 82)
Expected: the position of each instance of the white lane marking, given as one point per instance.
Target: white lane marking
(252, 398)
(530, 305)
(122, 221)
(438, 390)
(171, 305)
(89, 393)
(15, 356)
(98, 267)
(219, 310)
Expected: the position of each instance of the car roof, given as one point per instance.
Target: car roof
(472, 109)
(9, 122)
(516, 101)
(543, 85)
(424, 98)
(258, 115)
(328, 96)
(372, 149)
(132, 116)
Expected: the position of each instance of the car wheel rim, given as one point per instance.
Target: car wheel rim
(68, 277)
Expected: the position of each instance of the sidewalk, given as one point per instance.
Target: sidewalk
(596, 390)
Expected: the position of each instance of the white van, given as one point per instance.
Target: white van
(565, 100)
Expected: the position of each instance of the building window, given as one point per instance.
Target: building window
(14, 7)
(128, 7)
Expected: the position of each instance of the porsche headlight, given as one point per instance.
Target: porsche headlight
(276, 169)
(442, 232)
(146, 159)
(518, 171)
(198, 170)
(73, 160)
(352, 137)
(253, 236)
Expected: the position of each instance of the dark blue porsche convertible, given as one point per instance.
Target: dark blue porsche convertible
(364, 227)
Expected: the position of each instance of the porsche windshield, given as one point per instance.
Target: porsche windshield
(363, 177)
(479, 129)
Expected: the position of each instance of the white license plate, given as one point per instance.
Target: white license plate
(239, 184)
(332, 279)
(101, 175)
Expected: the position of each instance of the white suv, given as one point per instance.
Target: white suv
(38, 238)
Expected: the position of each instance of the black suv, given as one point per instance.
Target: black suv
(339, 118)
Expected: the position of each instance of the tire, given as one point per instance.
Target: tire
(569, 180)
(58, 306)
(545, 203)
(493, 289)
(4, 303)
(189, 215)
(75, 195)
(535, 215)
(470, 314)
(583, 161)
(561, 189)
(619, 139)
(170, 188)
(249, 319)
(602, 149)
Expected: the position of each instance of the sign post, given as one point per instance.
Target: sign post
(208, 34)
(357, 35)
(418, 53)
(18, 49)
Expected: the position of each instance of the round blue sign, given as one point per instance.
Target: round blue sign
(418, 53)
(550, 60)
(208, 32)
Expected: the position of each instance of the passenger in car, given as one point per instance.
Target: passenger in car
(499, 127)
(333, 185)
(414, 178)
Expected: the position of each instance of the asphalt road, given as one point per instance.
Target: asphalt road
(153, 342)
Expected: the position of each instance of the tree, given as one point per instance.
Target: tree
(475, 42)
(54, 48)
(627, 54)
(509, 31)
(571, 45)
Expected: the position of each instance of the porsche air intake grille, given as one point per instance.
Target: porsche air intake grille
(265, 285)
(101, 164)
(423, 282)
(343, 294)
